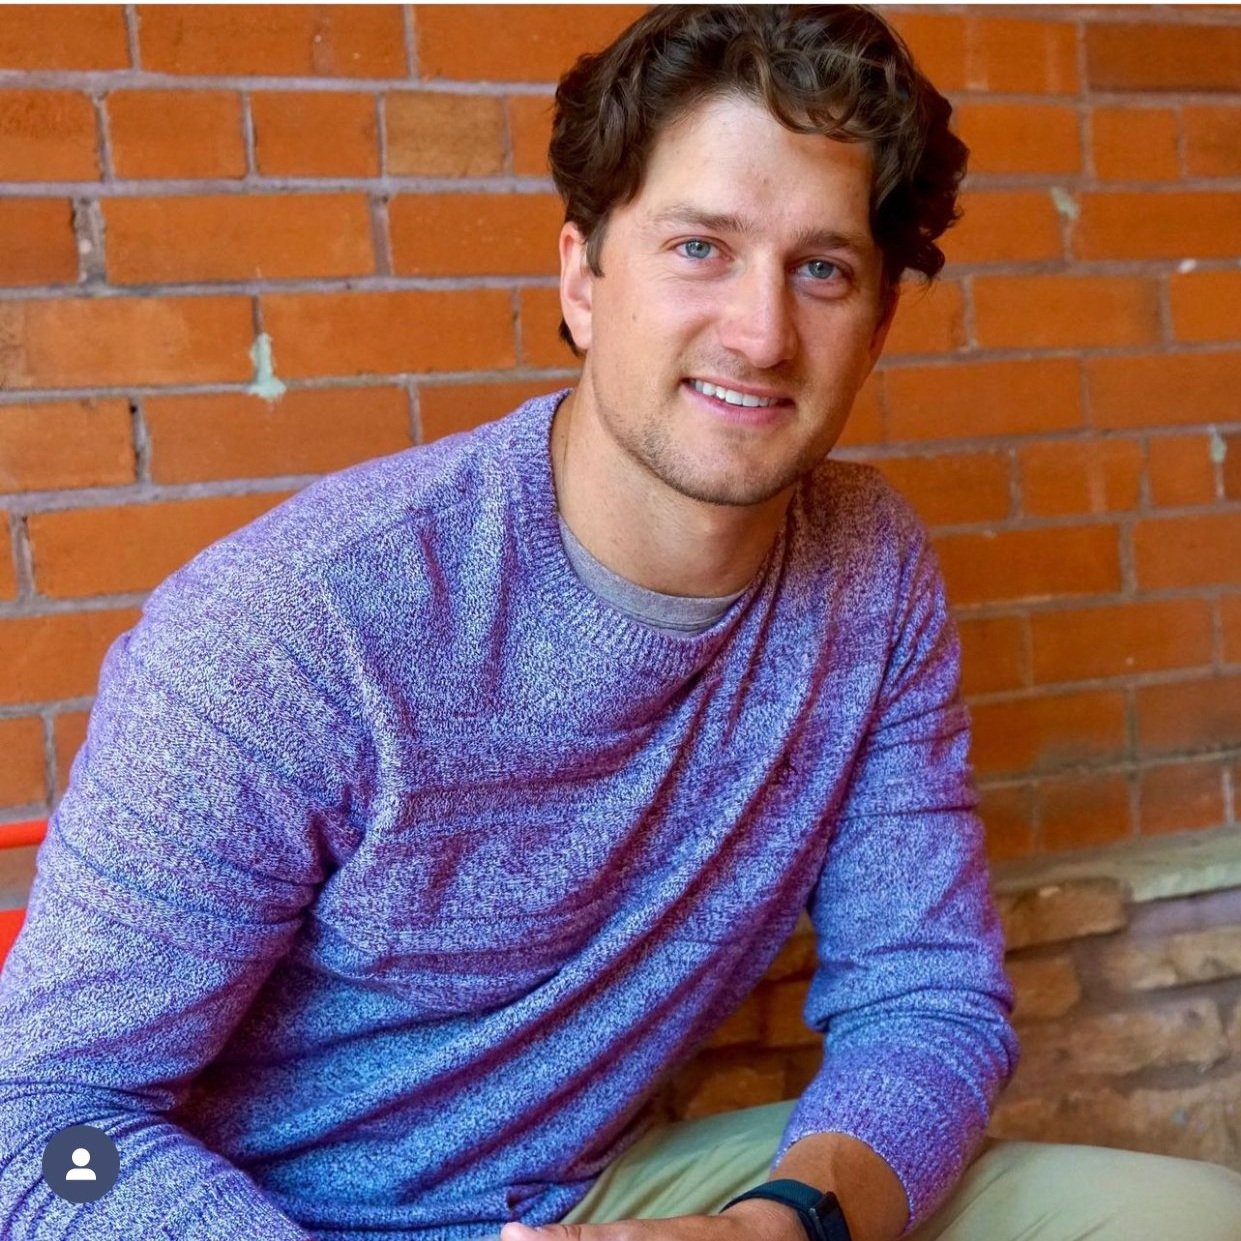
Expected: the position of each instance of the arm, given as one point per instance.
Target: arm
(910, 988)
(174, 876)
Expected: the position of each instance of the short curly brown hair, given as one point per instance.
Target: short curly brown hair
(838, 70)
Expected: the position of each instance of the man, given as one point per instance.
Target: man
(426, 825)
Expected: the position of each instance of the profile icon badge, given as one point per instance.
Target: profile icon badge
(80, 1163)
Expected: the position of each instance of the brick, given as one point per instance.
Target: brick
(799, 956)
(1188, 1122)
(532, 43)
(1020, 137)
(1158, 56)
(52, 657)
(437, 135)
(1163, 224)
(1080, 812)
(1008, 812)
(475, 234)
(530, 131)
(1178, 797)
(315, 134)
(37, 245)
(969, 399)
(993, 654)
(308, 431)
(1001, 226)
(117, 550)
(1059, 477)
(1189, 715)
(1057, 912)
(951, 488)
(1053, 730)
(176, 133)
(865, 424)
(540, 323)
(1135, 144)
(733, 1087)
(1120, 640)
(783, 1023)
(742, 1026)
(1030, 564)
(1171, 552)
(445, 409)
(1165, 389)
(318, 334)
(108, 341)
(1230, 627)
(8, 573)
(303, 40)
(1179, 470)
(1046, 988)
(1033, 312)
(928, 319)
(1205, 304)
(69, 735)
(63, 36)
(1212, 140)
(47, 136)
(238, 237)
(1021, 55)
(60, 444)
(1154, 964)
(21, 761)
(1231, 465)
(1188, 1032)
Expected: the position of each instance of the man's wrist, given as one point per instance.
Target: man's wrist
(767, 1220)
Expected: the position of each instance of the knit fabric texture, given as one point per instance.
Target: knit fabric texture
(399, 870)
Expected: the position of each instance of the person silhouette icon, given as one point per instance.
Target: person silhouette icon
(80, 1157)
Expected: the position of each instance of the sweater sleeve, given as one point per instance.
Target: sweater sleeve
(203, 814)
(910, 986)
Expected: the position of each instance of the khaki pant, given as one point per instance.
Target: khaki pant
(1014, 1191)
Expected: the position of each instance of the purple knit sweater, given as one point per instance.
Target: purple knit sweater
(399, 869)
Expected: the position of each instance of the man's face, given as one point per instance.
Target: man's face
(744, 270)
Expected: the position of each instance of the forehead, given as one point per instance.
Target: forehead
(729, 156)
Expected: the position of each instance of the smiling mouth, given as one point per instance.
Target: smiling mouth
(734, 397)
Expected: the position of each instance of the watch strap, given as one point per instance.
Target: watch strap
(819, 1212)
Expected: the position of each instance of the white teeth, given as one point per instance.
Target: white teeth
(732, 397)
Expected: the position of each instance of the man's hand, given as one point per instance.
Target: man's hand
(756, 1219)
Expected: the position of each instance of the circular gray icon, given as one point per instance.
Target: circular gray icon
(80, 1163)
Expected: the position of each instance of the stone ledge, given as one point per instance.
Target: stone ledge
(1152, 870)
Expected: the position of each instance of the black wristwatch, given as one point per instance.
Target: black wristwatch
(820, 1213)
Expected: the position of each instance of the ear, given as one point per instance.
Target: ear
(576, 285)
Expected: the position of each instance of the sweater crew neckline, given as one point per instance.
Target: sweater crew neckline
(569, 600)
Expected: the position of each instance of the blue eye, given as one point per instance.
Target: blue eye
(821, 269)
(696, 248)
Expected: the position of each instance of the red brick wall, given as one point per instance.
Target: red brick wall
(345, 210)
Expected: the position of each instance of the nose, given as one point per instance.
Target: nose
(757, 323)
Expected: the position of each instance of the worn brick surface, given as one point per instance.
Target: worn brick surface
(1212, 140)
(303, 134)
(68, 733)
(21, 760)
(1182, 716)
(1204, 303)
(1060, 477)
(1046, 987)
(1053, 730)
(47, 135)
(46, 658)
(1155, 964)
(448, 408)
(311, 431)
(1135, 144)
(176, 133)
(1178, 797)
(108, 551)
(431, 134)
(1030, 312)
(51, 445)
(1180, 469)
(1169, 389)
(993, 653)
(63, 36)
(1061, 911)
(1153, 56)
(1080, 811)
(8, 573)
(951, 488)
(1009, 814)
(36, 241)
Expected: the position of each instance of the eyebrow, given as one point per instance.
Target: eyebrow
(728, 222)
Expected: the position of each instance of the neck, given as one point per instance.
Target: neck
(644, 530)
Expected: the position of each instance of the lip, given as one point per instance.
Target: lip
(741, 415)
